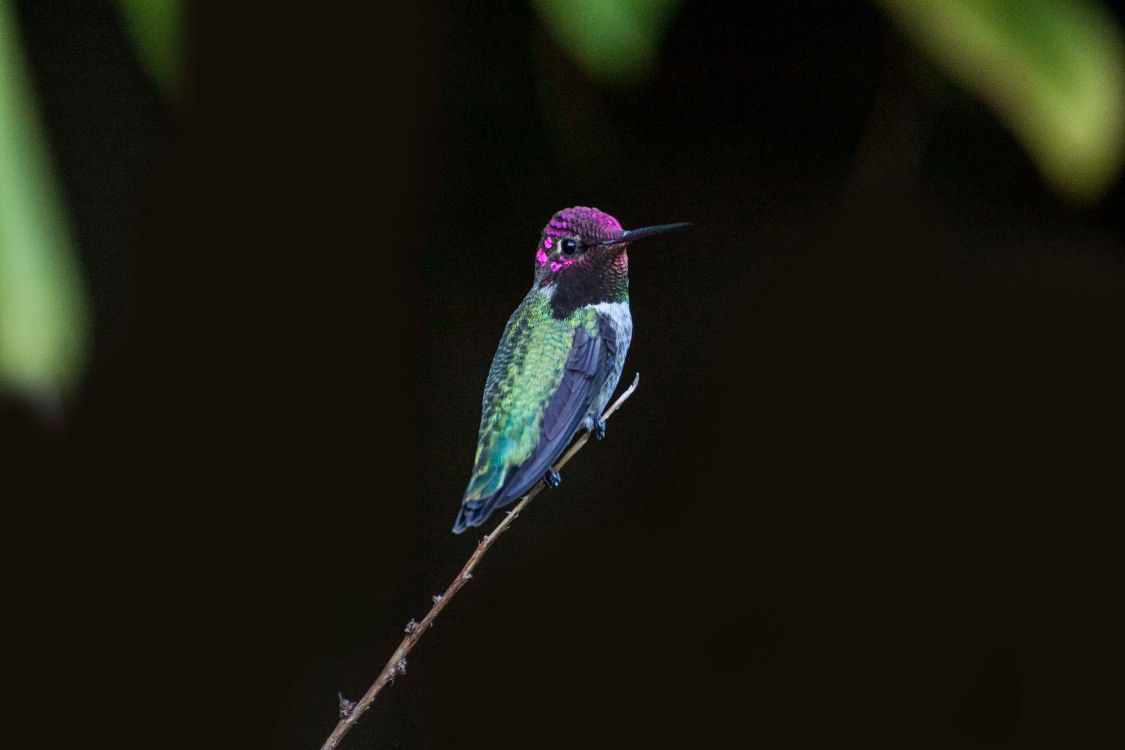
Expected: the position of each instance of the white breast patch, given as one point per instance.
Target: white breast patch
(620, 318)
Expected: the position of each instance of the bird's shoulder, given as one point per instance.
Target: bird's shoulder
(529, 359)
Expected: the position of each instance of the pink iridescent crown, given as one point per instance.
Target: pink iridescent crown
(588, 223)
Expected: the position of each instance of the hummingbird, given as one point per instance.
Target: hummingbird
(559, 359)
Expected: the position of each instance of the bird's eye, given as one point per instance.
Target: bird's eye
(570, 247)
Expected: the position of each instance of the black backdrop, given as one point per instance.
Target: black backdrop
(863, 492)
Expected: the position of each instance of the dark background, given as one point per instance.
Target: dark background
(863, 492)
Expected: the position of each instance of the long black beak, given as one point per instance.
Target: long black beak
(636, 234)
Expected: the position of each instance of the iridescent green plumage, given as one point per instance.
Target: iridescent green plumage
(525, 375)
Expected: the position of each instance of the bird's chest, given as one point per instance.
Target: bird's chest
(615, 324)
(617, 321)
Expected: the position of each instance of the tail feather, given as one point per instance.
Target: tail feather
(475, 512)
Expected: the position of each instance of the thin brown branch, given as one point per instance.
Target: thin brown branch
(396, 665)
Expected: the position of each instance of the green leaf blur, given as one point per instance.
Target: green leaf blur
(615, 41)
(42, 302)
(1053, 70)
(155, 28)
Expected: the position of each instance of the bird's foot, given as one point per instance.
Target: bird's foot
(599, 429)
(552, 478)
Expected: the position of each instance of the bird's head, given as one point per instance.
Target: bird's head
(582, 252)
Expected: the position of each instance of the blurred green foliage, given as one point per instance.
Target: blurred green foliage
(42, 302)
(1053, 70)
(43, 311)
(615, 41)
(155, 27)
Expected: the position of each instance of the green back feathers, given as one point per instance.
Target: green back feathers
(525, 374)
